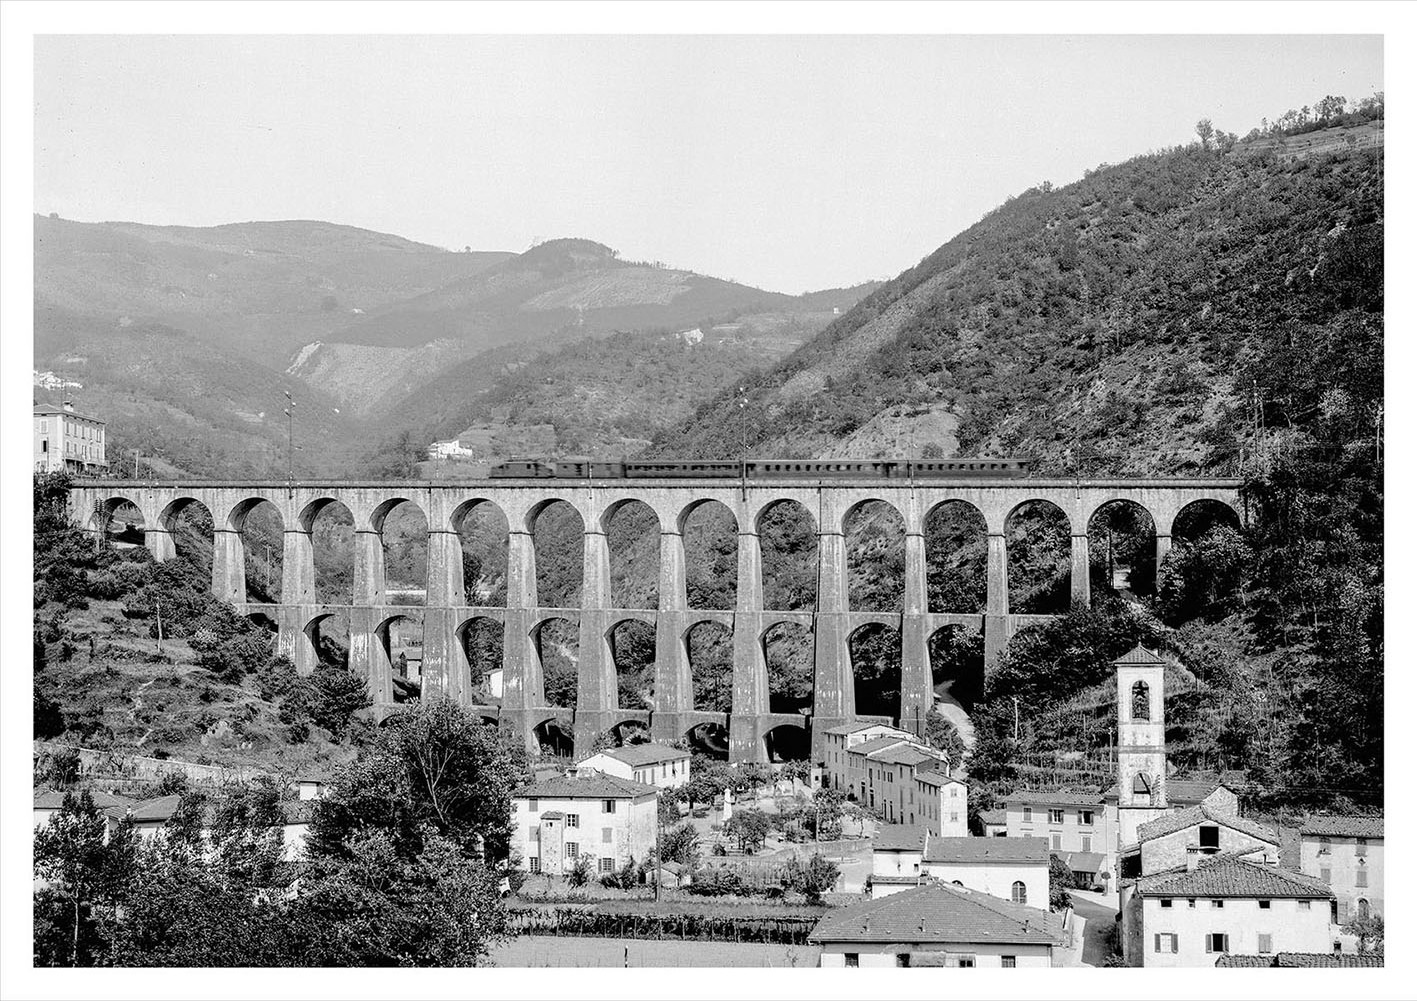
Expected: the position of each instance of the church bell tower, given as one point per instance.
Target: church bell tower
(1141, 742)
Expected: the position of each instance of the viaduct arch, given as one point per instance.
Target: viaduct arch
(447, 612)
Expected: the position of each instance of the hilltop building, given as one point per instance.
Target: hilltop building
(66, 441)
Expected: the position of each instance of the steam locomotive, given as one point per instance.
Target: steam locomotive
(763, 469)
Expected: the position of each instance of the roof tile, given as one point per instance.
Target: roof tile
(984, 850)
(1230, 875)
(938, 913)
(1342, 826)
(597, 786)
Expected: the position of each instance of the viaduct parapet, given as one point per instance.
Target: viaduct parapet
(446, 615)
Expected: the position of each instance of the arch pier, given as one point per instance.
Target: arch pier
(447, 611)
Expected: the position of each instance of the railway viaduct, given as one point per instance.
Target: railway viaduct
(446, 613)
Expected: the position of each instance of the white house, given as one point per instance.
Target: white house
(49, 802)
(1219, 905)
(651, 764)
(1347, 854)
(942, 804)
(557, 819)
(1071, 823)
(1012, 869)
(937, 924)
(898, 849)
(68, 441)
(837, 740)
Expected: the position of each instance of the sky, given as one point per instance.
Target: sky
(791, 163)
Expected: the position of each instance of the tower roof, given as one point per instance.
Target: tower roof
(1139, 655)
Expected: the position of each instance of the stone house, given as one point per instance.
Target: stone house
(1347, 854)
(557, 819)
(1012, 869)
(838, 740)
(1068, 821)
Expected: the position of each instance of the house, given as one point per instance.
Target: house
(995, 823)
(942, 803)
(1208, 907)
(1166, 841)
(151, 815)
(308, 787)
(898, 849)
(557, 819)
(68, 441)
(50, 801)
(937, 924)
(651, 764)
(838, 740)
(1347, 854)
(890, 767)
(1012, 869)
(1073, 824)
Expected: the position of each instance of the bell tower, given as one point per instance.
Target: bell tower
(1141, 742)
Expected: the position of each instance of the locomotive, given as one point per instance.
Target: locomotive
(763, 469)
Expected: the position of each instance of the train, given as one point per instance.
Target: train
(763, 469)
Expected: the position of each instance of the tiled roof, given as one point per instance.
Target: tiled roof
(1029, 798)
(849, 728)
(899, 838)
(876, 744)
(1138, 655)
(1342, 827)
(646, 754)
(903, 754)
(1230, 875)
(553, 815)
(934, 778)
(993, 816)
(938, 913)
(160, 809)
(985, 850)
(53, 799)
(1301, 960)
(596, 786)
(1081, 861)
(1170, 823)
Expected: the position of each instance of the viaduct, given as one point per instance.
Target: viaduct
(446, 615)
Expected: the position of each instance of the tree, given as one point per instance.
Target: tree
(580, 872)
(1060, 877)
(680, 844)
(942, 735)
(755, 775)
(1368, 931)
(84, 867)
(812, 878)
(749, 827)
(1206, 131)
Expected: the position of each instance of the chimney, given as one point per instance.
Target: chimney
(69, 405)
(1193, 857)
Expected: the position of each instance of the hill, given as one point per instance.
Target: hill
(1105, 323)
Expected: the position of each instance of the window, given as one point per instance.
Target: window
(1191, 902)
(1055, 816)
(1364, 911)
(965, 962)
(1361, 847)
(1210, 836)
(1087, 842)
(535, 863)
(954, 817)
(1020, 892)
(902, 959)
(954, 794)
(853, 959)
(957, 883)
(1008, 962)
(1304, 905)
(573, 850)
(1166, 942)
(1085, 818)
(1057, 842)
(607, 864)
(44, 445)
(1141, 702)
(1216, 905)
(1326, 874)
(573, 820)
(1360, 878)
(533, 806)
(1217, 942)
(43, 427)
(1264, 905)
(1333, 911)
(531, 833)
(1028, 814)
(1165, 901)
(1325, 846)
(1266, 943)
(607, 806)
(607, 835)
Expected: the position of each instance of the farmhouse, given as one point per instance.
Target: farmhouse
(650, 764)
(1347, 854)
(557, 819)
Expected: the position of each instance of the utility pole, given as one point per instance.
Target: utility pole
(290, 439)
(743, 428)
(158, 603)
(135, 463)
(1015, 719)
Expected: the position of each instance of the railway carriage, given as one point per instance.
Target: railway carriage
(764, 469)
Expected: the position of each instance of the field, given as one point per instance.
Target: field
(547, 950)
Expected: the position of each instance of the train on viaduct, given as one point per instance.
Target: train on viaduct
(829, 492)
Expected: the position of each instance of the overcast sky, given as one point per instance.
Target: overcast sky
(791, 163)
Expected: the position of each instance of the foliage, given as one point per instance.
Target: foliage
(941, 734)
(580, 873)
(1060, 877)
(812, 878)
(1368, 931)
(680, 844)
(749, 828)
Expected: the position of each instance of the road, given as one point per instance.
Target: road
(1100, 912)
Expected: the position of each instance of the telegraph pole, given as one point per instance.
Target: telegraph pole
(290, 438)
(743, 428)
(1015, 719)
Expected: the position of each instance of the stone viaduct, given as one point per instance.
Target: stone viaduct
(446, 613)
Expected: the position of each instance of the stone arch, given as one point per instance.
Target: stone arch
(481, 639)
(1038, 541)
(787, 533)
(956, 557)
(787, 742)
(330, 525)
(1122, 548)
(875, 669)
(115, 511)
(710, 739)
(1199, 516)
(629, 731)
(874, 531)
(787, 649)
(632, 531)
(402, 528)
(558, 537)
(255, 530)
(323, 633)
(483, 529)
(631, 643)
(957, 675)
(400, 639)
(708, 645)
(190, 530)
(557, 644)
(709, 529)
(553, 737)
